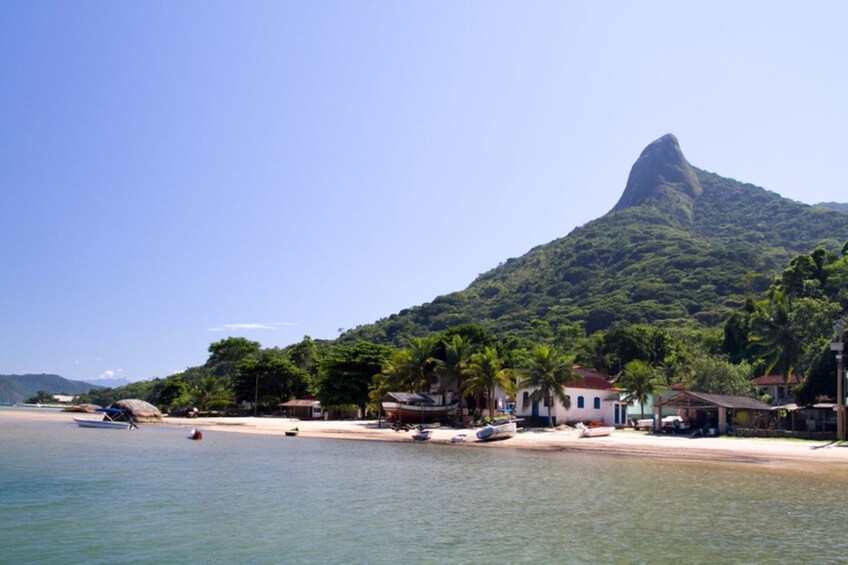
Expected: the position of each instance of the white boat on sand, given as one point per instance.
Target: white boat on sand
(583, 431)
(494, 432)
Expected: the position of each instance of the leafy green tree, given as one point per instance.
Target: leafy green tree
(594, 354)
(305, 355)
(546, 376)
(716, 375)
(226, 355)
(640, 381)
(568, 337)
(484, 374)
(347, 373)
(821, 381)
(172, 392)
(268, 379)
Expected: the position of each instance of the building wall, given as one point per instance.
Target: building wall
(593, 406)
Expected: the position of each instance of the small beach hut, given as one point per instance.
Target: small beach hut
(303, 409)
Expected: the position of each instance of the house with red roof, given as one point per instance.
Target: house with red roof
(778, 388)
(592, 399)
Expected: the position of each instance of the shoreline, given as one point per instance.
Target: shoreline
(796, 456)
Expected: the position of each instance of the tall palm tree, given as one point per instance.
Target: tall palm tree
(639, 381)
(775, 338)
(485, 373)
(409, 369)
(457, 354)
(546, 377)
(421, 362)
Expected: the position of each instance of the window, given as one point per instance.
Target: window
(526, 399)
(580, 402)
(597, 403)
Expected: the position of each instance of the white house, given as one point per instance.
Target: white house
(778, 388)
(592, 398)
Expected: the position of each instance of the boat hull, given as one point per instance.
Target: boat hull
(422, 435)
(499, 432)
(105, 424)
(595, 432)
(417, 413)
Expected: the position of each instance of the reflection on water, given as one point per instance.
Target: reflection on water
(82, 495)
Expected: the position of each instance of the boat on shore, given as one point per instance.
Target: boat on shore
(600, 431)
(493, 432)
(418, 408)
(422, 435)
(113, 419)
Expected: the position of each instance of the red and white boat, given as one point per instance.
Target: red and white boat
(415, 408)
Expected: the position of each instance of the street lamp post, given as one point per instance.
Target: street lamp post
(840, 380)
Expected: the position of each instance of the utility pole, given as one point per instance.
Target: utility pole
(838, 346)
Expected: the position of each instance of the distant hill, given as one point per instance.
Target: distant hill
(17, 388)
(839, 207)
(682, 247)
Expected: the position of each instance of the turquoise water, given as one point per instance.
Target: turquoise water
(72, 495)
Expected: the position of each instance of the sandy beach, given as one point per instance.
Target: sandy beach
(814, 457)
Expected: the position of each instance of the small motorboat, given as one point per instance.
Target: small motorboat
(422, 435)
(497, 431)
(292, 432)
(458, 438)
(600, 431)
(113, 419)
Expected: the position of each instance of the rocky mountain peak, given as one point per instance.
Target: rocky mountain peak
(663, 178)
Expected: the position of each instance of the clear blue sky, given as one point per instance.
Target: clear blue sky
(174, 173)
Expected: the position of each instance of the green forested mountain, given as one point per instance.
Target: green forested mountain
(838, 206)
(681, 248)
(17, 388)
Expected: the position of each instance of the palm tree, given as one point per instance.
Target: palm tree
(409, 369)
(484, 374)
(774, 337)
(457, 354)
(422, 364)
(547, 375)
(639, 382)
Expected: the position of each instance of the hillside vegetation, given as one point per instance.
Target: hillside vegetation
(682, 248)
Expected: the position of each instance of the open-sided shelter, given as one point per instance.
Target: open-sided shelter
(715, 411)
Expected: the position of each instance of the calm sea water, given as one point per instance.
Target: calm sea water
(72, 495)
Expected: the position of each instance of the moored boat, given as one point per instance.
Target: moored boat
(113, 419)
(494, 432)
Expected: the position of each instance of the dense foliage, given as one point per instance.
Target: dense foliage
(634, 266)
